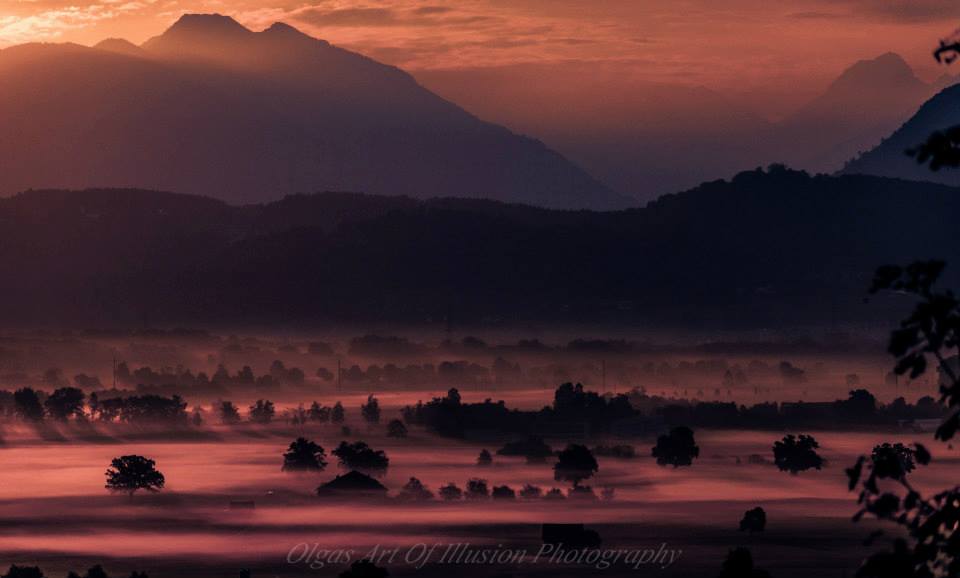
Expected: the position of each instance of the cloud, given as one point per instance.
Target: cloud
(349, 17)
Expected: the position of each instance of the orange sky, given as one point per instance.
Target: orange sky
(774, 54)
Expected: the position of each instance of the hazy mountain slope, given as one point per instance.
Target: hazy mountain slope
(889, 157)
(861, 107)
(641, 137)
(765, 249)
(212, 107)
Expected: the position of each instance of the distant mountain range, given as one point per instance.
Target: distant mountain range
(211, 107)
(651, 139)
(766, 249)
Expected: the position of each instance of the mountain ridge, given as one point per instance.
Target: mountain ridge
(251, 116)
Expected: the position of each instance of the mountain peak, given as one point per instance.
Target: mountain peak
(889, 69)
(207, 24)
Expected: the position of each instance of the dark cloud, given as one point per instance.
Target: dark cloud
(428, 10)
(349, 17)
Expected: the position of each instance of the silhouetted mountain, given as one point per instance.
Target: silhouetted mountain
(862, 106)
(766, 248)
(889, 158)
(211, 107)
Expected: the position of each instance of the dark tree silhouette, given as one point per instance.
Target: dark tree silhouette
(554, 494)
(477, 489)
(337, 414)
(23, 572)
(396, 429)
(739, 564)
(677, 448)
(531, 492)
(797, 454)
(451, 492)
(930, 332)
(365, 569)
(65, 403)
(360, 456)
(484, 459)
(318, 413)
(754, 520)
(503, 493)
(27, 406)
(575, 464)
(304, 455)
(414, 490)
(229, 414)
(132, 473)
(533, 448)
(371, 410)
(262, 411)
(94, 572)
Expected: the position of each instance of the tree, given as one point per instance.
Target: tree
(797, 454)
(318, 413)
(396, 429)
(365, 569)
(739, 564)
(503, 493)
(337, 414)
(754, 520)
(575, 464)
(262, 411)
(65, 403)
(677, 448)
(360, 456)
(531, 492)
(132, 473)
(27, 406)
(477, 489)
(229, 414)
(371, 410)
(414, 490)
(304, 455)
(94, 572)
(23, 572)
(484, 459)
(451, 492)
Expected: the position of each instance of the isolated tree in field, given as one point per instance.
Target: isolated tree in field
(371, 410)
(477, 489)
(27, 406)
(360, 456)
(797, 454)
(337, 414)
(531, 492)
(503, 493)
(23, 572)
(132, 473)
(414, 491)
(396, 429)
(739, 564)
(754, 520)
(365, 569)
(65, 403)
(304, 455)
(484, 459)
(229, 414)
(575, 464)
(262, 411)
(451, 492)
(677, 448)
